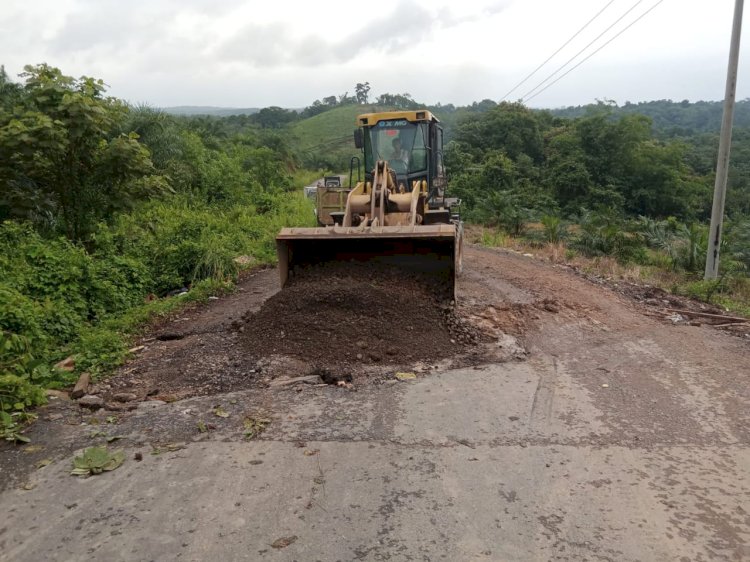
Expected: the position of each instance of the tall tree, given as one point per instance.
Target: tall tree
(61, 154)
(362, 91)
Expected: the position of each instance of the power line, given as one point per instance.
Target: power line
(571, 59)
(576, 34)
(623, 30)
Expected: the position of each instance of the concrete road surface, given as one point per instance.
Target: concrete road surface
(620, 437)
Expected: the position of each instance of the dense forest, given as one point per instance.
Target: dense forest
(108, 210)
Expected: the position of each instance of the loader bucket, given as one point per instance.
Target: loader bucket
(434, 250)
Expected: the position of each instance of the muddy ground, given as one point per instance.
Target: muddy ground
(575, 419)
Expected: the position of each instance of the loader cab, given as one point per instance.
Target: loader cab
(412, 144)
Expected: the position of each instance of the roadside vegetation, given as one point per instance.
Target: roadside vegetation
(108, 212)
(608, 191)
(113, 215)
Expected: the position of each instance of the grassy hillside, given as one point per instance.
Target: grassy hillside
(210, 110)
(325, 141)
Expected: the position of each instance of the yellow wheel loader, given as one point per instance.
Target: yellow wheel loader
(398, 214)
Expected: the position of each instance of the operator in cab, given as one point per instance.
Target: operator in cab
(399, 153)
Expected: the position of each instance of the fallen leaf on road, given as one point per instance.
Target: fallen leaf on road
(96, 460)
(168, 448)
(283, 542)
(254, 426)
(310, 453)
(44, 462)
(221, 412)
(406, 376)
(28, 486)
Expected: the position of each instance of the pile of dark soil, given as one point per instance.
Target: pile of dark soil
(344, 314)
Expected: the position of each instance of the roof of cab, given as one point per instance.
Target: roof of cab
(369, 119)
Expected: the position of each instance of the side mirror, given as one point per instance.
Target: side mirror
(358, 138)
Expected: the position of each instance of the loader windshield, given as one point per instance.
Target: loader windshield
(400, 142)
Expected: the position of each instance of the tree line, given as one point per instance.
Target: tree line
(105, 208)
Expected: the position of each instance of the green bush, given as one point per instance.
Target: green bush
(605, 235)
(17, 393)
(554, 229)
(99, 350)
(57, 299)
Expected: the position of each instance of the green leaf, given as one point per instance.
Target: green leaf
(96, 460)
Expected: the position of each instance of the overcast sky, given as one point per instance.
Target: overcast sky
(256, 53)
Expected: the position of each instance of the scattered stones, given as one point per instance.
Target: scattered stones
(124, 397)
(91, 401)
(151, 404)
(676, 318)
(121, 407)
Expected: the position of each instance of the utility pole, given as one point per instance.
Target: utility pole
(725, 141)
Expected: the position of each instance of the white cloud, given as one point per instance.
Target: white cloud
(256, 53)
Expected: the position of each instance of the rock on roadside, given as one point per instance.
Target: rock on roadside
(91, 401)
(82, 386)
(311, 379)
(124, 397)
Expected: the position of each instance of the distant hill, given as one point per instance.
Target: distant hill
(210, 110)
(326, 140)
(329, 126)
(670, 118)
